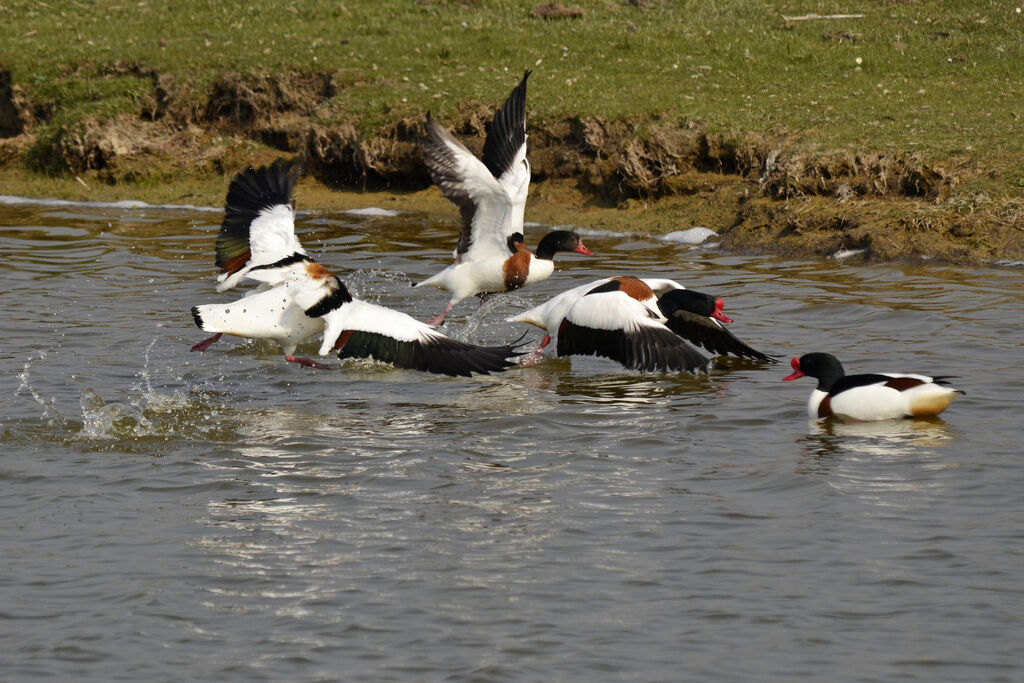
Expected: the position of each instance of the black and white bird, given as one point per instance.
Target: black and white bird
(258, 232)
(867, 397)
(490, 192)
(644, 324)
(298, 298)
(351, 328)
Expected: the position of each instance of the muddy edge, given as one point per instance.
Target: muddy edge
(651, 175)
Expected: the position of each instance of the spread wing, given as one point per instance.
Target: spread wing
(700, 328)
(505, 146)
(259, 221)
(712, 335)
(614, 325)
(363, 330)
(490, 193)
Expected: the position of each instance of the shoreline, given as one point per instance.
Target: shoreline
(801, 227)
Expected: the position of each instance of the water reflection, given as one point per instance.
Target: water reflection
(892, 464)
(588, 380)
(882, 438)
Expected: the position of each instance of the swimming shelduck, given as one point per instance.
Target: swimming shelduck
(642, 323)
(258, 234)
(880, 396)
(490, 192)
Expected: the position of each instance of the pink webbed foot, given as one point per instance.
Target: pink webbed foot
(206, 343)
(439, 318)
(535, 355)
(307, 362)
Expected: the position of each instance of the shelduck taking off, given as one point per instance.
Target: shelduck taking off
(352, 328)
(642, 323)
(491, 255)
(880, 396)
(298, 298)
(258, 233)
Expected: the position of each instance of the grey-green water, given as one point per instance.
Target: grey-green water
(170, 515)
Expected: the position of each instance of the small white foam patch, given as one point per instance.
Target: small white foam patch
(1007, 263)
(123, 204)
(846, 253)
(373, 211)
(698, 235)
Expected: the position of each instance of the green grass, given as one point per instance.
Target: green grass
(939, 78)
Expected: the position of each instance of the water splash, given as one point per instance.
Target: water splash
(486, 320)
(149, 398)
(374, 284)
(52, 416)
(144, 412)
(102, 420)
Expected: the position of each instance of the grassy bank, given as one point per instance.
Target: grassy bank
(772, 123)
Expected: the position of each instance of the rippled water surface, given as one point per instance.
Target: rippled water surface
(170, 515)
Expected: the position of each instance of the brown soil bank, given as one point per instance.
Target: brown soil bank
(646, 176)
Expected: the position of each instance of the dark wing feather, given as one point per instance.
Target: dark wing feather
(707, 332)
(847, 382)
(648, 348)
(507, 133)
(251, 191)
(440, 156)
(442, 355)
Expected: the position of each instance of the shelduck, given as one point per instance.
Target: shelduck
(352, 328)
(491, 255)
(298, 298)
(878, 396)
(258, 233)
(642, 323)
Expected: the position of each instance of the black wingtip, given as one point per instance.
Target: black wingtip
(440, 355)
(645, 349)
(507, 132)
(251, 191)
(688, 314)
(197, 317)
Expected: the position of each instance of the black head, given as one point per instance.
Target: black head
(693, 302)
(561, 240)
(824, 367)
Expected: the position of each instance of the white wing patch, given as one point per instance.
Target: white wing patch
(272, 235)
(363, 316)
(612, 311)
